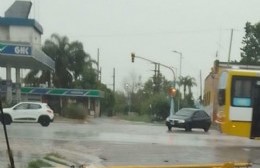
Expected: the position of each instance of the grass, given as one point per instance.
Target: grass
(38, 164)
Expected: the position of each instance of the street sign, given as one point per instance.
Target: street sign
(15, 49)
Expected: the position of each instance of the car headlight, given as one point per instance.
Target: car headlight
(181, 121)
(168, 119)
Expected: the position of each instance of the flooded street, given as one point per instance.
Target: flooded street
(117, 142)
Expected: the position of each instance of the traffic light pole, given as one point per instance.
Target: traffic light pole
(153, 62)
(174, 78)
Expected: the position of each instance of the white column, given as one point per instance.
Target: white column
(8, 85)
(18, 85)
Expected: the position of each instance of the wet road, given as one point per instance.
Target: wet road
(117, 142)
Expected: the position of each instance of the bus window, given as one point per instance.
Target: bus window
(221, 97)
(241, 92)
(222, 88)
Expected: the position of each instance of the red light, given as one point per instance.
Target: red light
(172, 91)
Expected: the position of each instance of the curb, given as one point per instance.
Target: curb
(58, 162)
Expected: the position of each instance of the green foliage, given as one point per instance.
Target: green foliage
(120, 103)
(75, 111)
(38, 164)
(188, 101)
(186, 81)
(108, 102)
(251, 50)
(157, 106)
(73, 66)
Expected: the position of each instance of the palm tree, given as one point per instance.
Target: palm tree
(57, 48)
(77, 59)
(190, 81)
(186, 81)
(32, 78)
(183, 82)
(72, 65)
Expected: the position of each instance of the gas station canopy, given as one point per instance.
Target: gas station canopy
(20, 40)
(23, 55)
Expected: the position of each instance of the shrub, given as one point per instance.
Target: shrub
(38, 164)
(157, 107)
(75, 111)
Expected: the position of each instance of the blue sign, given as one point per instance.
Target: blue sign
(12, 49)
(76, 92)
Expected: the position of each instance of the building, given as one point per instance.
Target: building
(20, 48)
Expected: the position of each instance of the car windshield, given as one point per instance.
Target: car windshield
(185, 112)
(97, 83)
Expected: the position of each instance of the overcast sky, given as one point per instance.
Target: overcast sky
(150, 28)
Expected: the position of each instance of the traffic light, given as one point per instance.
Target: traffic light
(133, 57)
(172, 91)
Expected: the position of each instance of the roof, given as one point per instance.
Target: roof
(24, 55)
(9, 21)
(243, 70)
(17, 15)
(19, 9)
(231, 65)
(62, 92)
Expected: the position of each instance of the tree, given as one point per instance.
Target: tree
(73, 66)
(183, 82)
(76, 59)
(57, 48)
(250, 54)
(156, 107)
(133, 83)
(190, 81)
(120, 103)
(108, 102)
(32, 78)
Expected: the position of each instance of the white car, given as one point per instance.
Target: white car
(29, 112)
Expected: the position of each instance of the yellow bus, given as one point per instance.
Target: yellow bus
(239, 102)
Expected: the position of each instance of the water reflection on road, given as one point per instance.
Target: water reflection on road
(117, 142)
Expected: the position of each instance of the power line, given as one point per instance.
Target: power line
(150, 33)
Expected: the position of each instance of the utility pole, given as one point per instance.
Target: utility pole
(181, 57)
(98, 71)
(114, 80)
(230, 46)
(200, 86)
(98, 67)
(157, 77)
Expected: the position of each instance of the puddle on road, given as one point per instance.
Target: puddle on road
(66, 134)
